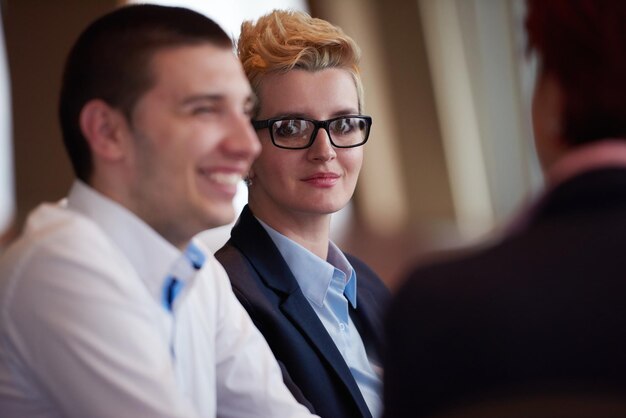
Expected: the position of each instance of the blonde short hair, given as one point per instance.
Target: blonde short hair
(284, 40)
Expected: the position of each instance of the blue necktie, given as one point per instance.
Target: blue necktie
(185, 268)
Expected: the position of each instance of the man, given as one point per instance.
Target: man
(542, 313)
(108, 308)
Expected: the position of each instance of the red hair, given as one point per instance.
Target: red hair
(582, 43)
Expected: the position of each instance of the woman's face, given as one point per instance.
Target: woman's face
(318, 180)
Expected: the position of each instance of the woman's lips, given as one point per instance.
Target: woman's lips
(322, 179)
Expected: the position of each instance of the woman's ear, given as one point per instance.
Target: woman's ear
(249, 177)
(104, 128)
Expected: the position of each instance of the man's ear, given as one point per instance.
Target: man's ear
(548, 116)
(105, 129)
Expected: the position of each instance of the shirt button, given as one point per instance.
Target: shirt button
(342, 327)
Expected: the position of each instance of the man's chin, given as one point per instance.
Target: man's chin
(220, 218)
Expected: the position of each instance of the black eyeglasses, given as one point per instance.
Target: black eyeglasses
(299, 133)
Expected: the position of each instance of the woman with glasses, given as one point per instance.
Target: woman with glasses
(318, 308)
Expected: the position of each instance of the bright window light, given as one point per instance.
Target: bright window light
(230, 14)
(7, 198)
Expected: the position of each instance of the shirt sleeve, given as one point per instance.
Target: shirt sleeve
(81, 322)
(249, 380)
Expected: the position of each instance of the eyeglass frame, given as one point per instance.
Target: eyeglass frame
(268, 123)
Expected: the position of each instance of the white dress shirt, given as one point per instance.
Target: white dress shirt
(84, 332)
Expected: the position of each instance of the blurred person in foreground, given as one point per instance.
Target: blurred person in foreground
(542, 311)
(319, 309)
(108, 307)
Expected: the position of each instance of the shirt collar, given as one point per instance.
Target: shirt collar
(337, 258)
(152, 257)
(313, 274)
(605, 153)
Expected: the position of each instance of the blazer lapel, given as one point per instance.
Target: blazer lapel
(254, 242)
(299, 311)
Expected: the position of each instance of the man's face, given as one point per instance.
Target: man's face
(191, 141)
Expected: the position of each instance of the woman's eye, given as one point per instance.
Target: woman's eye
(343, 126)
(290, 128)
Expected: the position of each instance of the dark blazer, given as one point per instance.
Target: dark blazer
(543, 310)
(312, 366)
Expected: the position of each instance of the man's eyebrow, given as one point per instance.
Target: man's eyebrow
(215, 98)
(202, 98)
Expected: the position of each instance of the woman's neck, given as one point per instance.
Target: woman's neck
(307, 229)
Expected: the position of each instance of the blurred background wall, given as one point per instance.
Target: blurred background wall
(450, 156)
